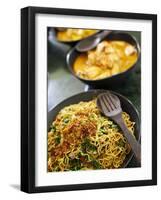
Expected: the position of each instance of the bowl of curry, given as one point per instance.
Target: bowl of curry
(113, 59)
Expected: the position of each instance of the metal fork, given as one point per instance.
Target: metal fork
(109, 104)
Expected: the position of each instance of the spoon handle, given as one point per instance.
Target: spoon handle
(103, 34)
(135, 146)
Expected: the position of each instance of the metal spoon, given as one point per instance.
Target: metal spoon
(110, 106)
(91, 42)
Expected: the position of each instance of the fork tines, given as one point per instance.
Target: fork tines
(109, 101)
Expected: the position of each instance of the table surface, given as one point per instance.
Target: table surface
(62, 84)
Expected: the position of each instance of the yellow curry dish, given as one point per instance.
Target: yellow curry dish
(81, 138)
(69, 34)
(107, 59)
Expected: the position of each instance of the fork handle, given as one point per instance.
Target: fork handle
(135, 146)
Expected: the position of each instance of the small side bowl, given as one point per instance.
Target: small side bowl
(53, 33)
(126, 105)
(112, 80)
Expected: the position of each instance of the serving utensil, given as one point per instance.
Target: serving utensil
(109, 104)
(92, 41)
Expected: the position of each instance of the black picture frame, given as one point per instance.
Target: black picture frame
(28, 98)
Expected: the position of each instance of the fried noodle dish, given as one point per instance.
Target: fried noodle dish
(81, 138)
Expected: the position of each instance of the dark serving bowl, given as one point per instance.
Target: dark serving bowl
(114, 79)
(53, 33)
(127, 106)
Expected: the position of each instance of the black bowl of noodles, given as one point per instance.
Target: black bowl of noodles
(126, 105)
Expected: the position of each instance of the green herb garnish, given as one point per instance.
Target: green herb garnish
(96, 164)
(57, 140)
(87, 146)
(102, 129)
(121, 143)
(75, 164)
(66, 120)
(53, 128)
(112, 126)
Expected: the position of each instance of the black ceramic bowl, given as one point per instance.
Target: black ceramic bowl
(112, 80)
(127, 106)
(53, 33)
